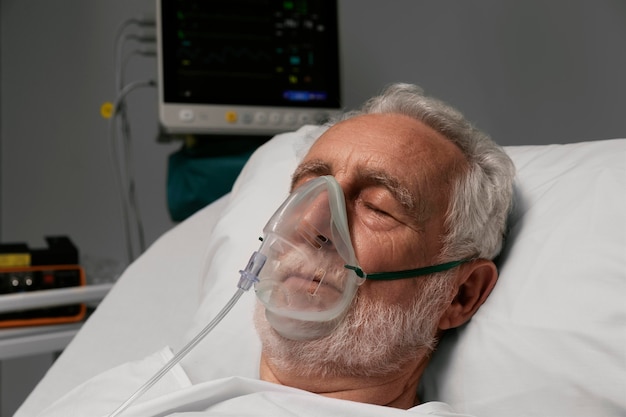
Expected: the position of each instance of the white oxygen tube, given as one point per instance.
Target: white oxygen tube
(249, 276)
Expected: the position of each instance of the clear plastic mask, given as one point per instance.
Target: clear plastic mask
(304, 285)
(310, 273)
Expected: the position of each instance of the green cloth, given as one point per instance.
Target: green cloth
(203, 171)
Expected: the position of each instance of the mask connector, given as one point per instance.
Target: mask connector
(250, 275)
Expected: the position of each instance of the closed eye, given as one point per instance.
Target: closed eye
(376, 209)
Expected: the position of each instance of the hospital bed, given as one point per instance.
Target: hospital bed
(550, 340)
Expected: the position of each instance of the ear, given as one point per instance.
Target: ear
(474, 283)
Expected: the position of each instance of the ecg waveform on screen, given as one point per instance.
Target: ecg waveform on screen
(224, 56)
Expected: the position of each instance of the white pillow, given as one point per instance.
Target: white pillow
(550, 340)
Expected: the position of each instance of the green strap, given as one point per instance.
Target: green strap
(410, 273)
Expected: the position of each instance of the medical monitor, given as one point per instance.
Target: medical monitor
(246, 67)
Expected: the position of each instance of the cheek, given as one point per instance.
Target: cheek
(399, 292)
(385, 252)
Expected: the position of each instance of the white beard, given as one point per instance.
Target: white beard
(374, 339)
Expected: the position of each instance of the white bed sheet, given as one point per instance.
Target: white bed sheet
(148, 307)
(238, 396)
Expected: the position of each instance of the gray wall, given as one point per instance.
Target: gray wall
(528, 72)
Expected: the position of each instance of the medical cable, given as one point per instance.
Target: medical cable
(144, 32)
(146, 24)
(121, 169)
(249, 276)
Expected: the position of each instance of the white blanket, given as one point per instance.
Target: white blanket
(231, 396)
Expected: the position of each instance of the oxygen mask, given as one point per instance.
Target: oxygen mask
(304, 285)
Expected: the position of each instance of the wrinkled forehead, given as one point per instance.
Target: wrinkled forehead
(402, 147)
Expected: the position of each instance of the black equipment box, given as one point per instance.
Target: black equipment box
(23, 270)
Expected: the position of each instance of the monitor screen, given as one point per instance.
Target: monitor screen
(251, 67)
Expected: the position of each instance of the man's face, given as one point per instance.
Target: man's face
(396, 175)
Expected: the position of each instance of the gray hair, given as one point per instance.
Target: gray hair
(481, 198)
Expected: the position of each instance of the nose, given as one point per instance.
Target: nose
(314, 225)
(312, 235)
(348, 189)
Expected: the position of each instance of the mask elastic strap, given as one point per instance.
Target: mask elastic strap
(410, 273)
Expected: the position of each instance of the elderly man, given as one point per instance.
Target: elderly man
(422, 187)
(416, 200)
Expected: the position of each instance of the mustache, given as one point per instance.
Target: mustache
(307, 264)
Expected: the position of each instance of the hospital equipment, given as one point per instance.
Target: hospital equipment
(246, 68)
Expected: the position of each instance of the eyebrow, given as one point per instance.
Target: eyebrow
(371, 176)
(313, 168)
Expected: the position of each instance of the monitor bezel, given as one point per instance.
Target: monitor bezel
(238, 119)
